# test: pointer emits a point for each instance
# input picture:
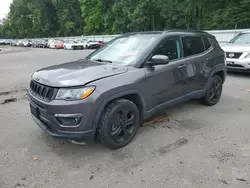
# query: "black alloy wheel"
(119, 124)
(214, 91)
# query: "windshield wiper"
(103, 60)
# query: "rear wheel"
(214, 91)
(119, 124)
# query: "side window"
(206, 43)
(192, 46)
(169, 47)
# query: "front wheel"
(119, 124)
(214, 91)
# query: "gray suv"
(112, 91)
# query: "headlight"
(248, 55)
(74, 93)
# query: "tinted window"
(206, 43)
(170, 48)
(192, 46)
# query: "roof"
(179, 31)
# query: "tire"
(118, 124)
(214, 91)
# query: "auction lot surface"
(193, 146)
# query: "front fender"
(117, 96)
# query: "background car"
(59, 44)
(20, 43)
(238, 53)
(51, 43)
(68, 44)
(39, 44)
(92, 45)
(27, 43)
(13, 43)
(101, 43)
(56, 44)
(2, 42)
(78, 45)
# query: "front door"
(164, 83)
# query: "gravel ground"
(192, 146)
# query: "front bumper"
(77, 47)
(238, 65)
(78, 136)
(46, 120)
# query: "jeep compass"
(109, 94)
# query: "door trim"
(193, 95)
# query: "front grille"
(41, 91)
(77, 47)
(234, 55)
(234, 65)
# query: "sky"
(4, 7)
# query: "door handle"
(181, 66)
(207, 59)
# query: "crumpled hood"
(230, 47)
(76, 73)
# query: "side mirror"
(158, 60)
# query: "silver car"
(238, 53)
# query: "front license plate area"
(34, 111)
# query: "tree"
(48, 18)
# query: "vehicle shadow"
(68, 149)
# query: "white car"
(238, 53)
(73, 45)
(19, 43)
(50, 41)
(92, 44)
(27, 43)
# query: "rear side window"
(192, 46)
(206, 43)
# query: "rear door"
(194, 53)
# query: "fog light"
(69, 120)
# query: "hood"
(76, 73)
(231, 47)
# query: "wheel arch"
(221, 74)
(132, 95)
(220, 71)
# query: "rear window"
(206, 43)
(192, 46)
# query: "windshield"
(123, 50)
(243, 38)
